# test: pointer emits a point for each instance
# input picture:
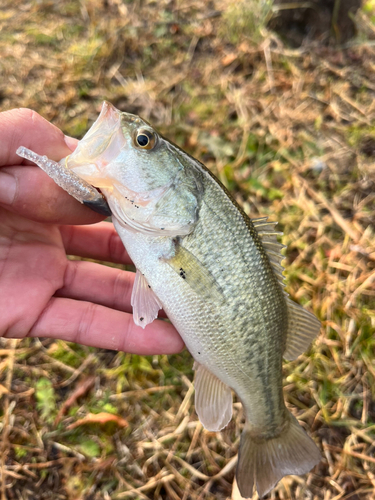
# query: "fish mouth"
(103, 142)
(100, 206)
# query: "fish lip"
(108, 109)
(100, 206)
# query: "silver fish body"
(217, 274)
(238, 334)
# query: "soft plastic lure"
(69, 181)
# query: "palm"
(45, 294)
(33, 263)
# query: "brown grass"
(291, 133)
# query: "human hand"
(42, 293)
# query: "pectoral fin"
(213, 399)
(145, 303)
(191, 270)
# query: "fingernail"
(71, 142)
(8, 188)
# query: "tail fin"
(264, 462)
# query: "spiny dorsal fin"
(268, 235)
(145, 303)
(213, 399)
(303, 327)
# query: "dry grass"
(291, 133)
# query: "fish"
(217, 274)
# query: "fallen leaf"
(228, 59)
(80, 391)
(99, 418)
(3, 390)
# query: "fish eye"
(145, 139)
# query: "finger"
(29, 192)
(100, 284)
(98, 241)
(98, 326)
(25, 127)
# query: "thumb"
(25, 127)
(27, 190)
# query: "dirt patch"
(323, 20)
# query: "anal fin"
(145, 303)
(213, 399)
(303, 327)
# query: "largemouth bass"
(218, 276)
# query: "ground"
(290, 131)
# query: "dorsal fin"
(302, 325)
(268, 235)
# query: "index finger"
(99, 326)
(25, 127)
(97, 241)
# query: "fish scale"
(224, 327)
(216, 273)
